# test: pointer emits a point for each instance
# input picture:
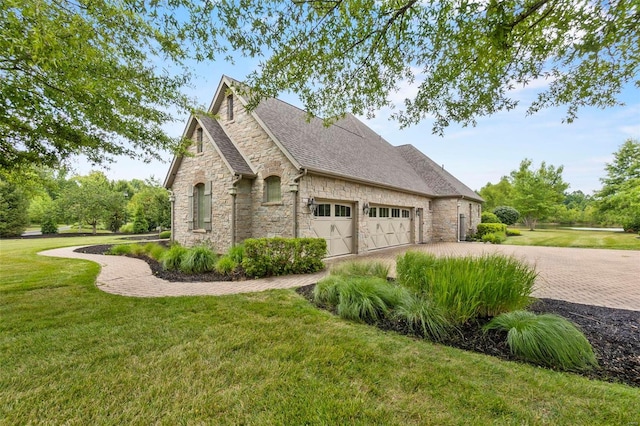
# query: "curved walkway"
(590, 276)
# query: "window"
(272, 189)
(323, 210)
(343, 211)
(384, 211)
(373, 212)
(395, 212)
(200, 207)
(470, 210)
(405, 213)
(230, 107)
(429, 204)
(199, 140)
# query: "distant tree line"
(541, 194)
(46, 197)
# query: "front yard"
(73, 354)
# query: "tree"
(91, 200)
(464, 57)
(78, 77)
(13, 209)
(507, 215)
(619, 198)
(537, 193)
(154, 201)
(495, 195)
(140, 224)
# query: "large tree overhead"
(78, 77)
(466, 57)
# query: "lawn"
(576, 238)
(72, 354)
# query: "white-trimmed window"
(405, 213)
(384, 211)
(322, 210)
(272, 191)
(395, 212)
(373, 212)
(342, 211)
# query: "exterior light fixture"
(293, 187)
(312, 205)
(365, 209)
(233, 190)
(418, 212)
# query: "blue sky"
(475, 155)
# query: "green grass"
(361, 269)
(71, 354)
(545, 339)
(576, 238)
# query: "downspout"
(233, 191)
(172, 200)
(294, 189)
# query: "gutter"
(296, 192)
(233, 191)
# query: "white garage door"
(334, 223)
(388, 226)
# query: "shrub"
(632, 225)
(488, 217)
(513, 232)
(367, 299)
(507, 215)
(491, 228)
(164, 234)
(49, 226)
(545, 339)
(140, 224)
(494, 238)
(236, 253)
(127, 228)
(265, 257)
(14, 205)
(173, 257)
(120, 250)
(198, 260)
(361, 269)
(468, 287)
(327, 291)
(424, 317)
(155, 251)
(226, 265)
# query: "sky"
(475, 155)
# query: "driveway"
(608, 278)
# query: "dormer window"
(230, 107)
(199, 140)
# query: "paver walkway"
(591, 276)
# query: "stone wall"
(201, 168)
(267, 219)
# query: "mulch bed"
(613, 333)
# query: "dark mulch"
(613, 333)
(172, 276)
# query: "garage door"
(334, 223)
(388, 226)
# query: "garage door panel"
(389, 231)
(337, 230)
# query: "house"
(272, 172)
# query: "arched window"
(272, 193)
(200, 207)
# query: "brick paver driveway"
(591, 276)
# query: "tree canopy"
(536, 193)
(466, 57)
(78, 77)
(619, 198)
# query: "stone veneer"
(257, 218)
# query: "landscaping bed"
(613, 333)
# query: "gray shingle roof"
(351, 149)
(346, 148)
(442, 182)
(235, 160)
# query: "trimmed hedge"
(491, 228)
(488, 217)
(264, 257)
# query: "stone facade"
(239, 206)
